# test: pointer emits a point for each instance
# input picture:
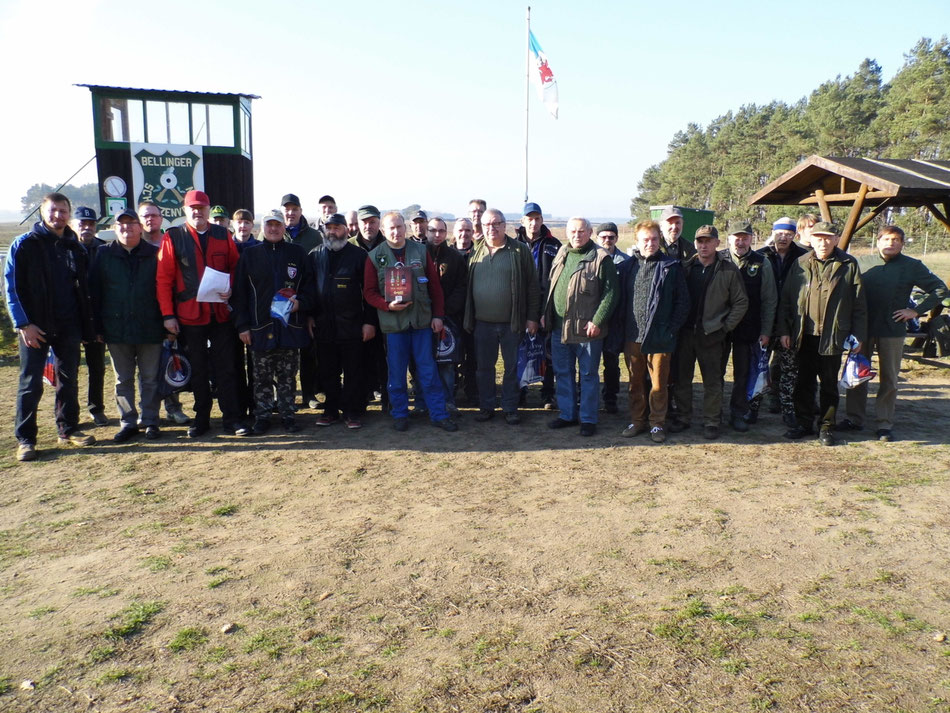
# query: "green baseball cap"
(825, 228)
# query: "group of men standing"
(355, 297)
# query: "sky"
(424, 102)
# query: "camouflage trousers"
(274, 369)
(784, 373)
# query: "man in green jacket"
(889, 276)
(718, 303)
(581, 298)
(822, 304)
(502, 303)
(129, 320)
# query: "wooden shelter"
(875, 183)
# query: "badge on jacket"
(753, 269)
(291, 271)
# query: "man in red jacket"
(186, 252)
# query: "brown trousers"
(638, 365)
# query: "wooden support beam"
(823, 205)
(938, 215)
(853, 216)
(873, 214)
(846, 197)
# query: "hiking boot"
(152, 433)
(633, 430)
(512, 418)
(588, 429)
(657, 434)
(260, 427)
(826, 437)
(26, 452)
(446, 424)
(678, 425)
(401, 424)
(884, 434)
(711, 432)
(484, 415)
(77, 438)
(125, 434)
(561, 423)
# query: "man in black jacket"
(341, 323)
(48, 299)
(271, 276)
(84, 223)
(544, 247)
(453, 277)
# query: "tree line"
(721, 166)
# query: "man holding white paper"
(201, 316)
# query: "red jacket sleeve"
(165, 277)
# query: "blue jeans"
(447, 377)
(489, 337)
(399, 346)
(587, 358)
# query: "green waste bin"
(693, 218)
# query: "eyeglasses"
(495, 224)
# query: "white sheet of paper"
(213, 283)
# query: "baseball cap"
(420, 215)
(84, 213)
(824, 228)
(219, 211)
(290, 198)
(194, 197)
(532, 208)
(127, 213)
(273, 215)
(707, 231)
(738, 227)
(327, 199)
(335, 219)
(367, 211)
(671, 211)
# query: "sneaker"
(657, 434)
(354, 424)
(484, 415)
(326, 420)
(237, 429)
(179, 417)
(77, 438)
(825, 437)
(401, 424)
(561, 423)
(100, 419)
(25, 452)
(633, 430)
(588, 429)
(152, 433)
(290, 425)
(260, 427)
(446, 424)
(711, 432)
(125, 434)
(678, 425)
(313, 403)
(848, 425)
(739, 424)
(512, 418)
(198, 429)
(884, 434)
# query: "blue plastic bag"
(531, 360)
(759, 378)
(174, 370)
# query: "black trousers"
(96, 366)
(812, 365)
(334, 359)
(210, 349)
(741, 364)
(611, 377)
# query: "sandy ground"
(502, 568)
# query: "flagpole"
(527, 93)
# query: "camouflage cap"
(825, 228)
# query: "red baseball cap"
(196, 198)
